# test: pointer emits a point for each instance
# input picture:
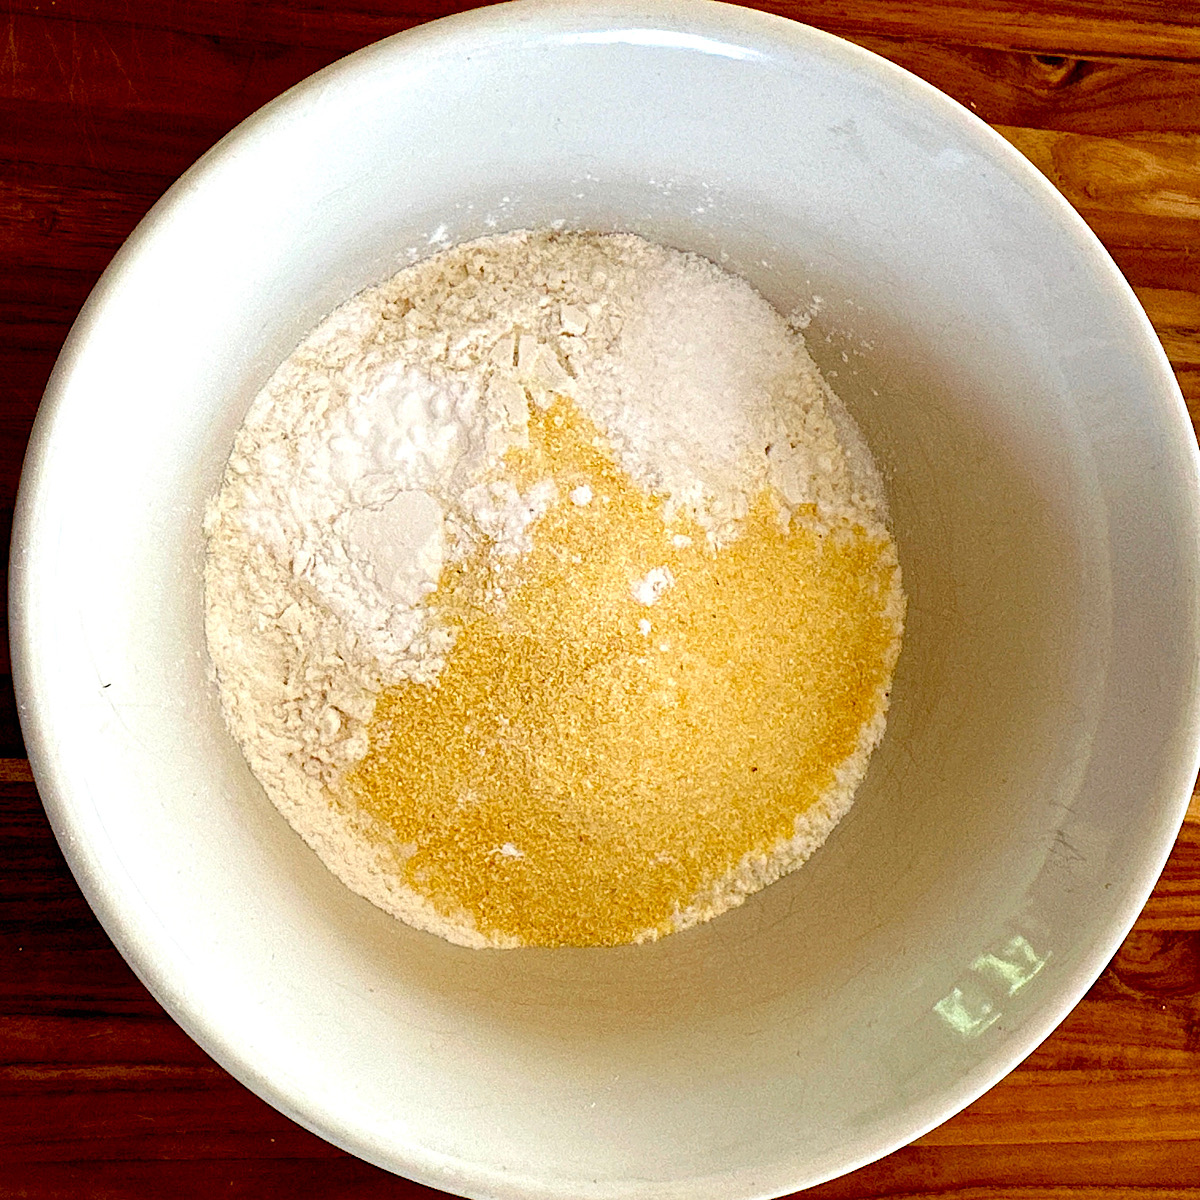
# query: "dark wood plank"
(1135, 28)
(1076, 1171)
(1146, 28)
(186, 59)
(287, 1176)
(1151, 251)
(1106, 97)
(103, 137)
(68, 218)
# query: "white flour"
(369, 461)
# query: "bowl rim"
(618, 20)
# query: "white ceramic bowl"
(1043, 736)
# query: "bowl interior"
(1042, 735)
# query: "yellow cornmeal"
(571, 779)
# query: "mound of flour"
(369, 462)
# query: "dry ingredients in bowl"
(550, 595)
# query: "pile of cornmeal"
(550, 593)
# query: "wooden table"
(102, 105)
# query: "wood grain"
(1105, 97)
(1134, 28)
(102, 105)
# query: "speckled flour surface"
(530, 502)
